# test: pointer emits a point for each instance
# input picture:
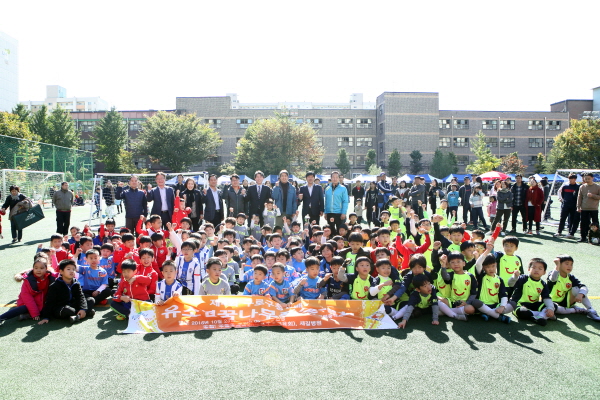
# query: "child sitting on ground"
(528, 290)
(280, 289)
(131, 287)
(422, 300)
(169, 286)
(257, 286)
(214, 284)
(308, 287)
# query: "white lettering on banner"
(171, 311)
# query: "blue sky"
(510, 55)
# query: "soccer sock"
(446, 310)
(488, 311)
(540, 314)
(564, 310)
(508, 309)
(459, 310)
(587, 303)
(400, 313)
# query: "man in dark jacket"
(312, 199)
(519, 191)
(136, 204)
(465, 193)
(567, 195)
(163, 199)
(257, 196)
(416, 194)
(235, 197)
(213, 202)
(358, 192)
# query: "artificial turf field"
(454, 360)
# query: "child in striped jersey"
(280, 289)
(214, 284)
(189, 271)
(169, 286)
(258, 286)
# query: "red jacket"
(119, 256)
(179, 214)
(33, 293)
(148, 232)
(160, 256)
(103, 233)
(535, 195)
(395, 258)
(150, 273)
(137, 290)
(406, 252)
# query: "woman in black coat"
(11, 201)
(435, 193)
(193, 200)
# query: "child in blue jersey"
(189, 270)
(359, 282)
(308, 287)
(566, 290)
(276, 243)
(169, 286)
(255, 227)
(336, 289)
(298, 260)
(280, 290)
(528, 290)
(283, 257)
(94, 279)
(258, 286)
(85, 244)
(106, 262)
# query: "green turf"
(474, 359)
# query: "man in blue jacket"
(163, 198)
(336, 203)
(135, 202)
(284, 195)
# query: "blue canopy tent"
(459, 177)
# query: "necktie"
(259, 191)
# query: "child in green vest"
(359, 282)
(464, 286)
(422, 300)
(566, 290)
(528, 290)
(492, 299)
(382, 284)
(507, 262)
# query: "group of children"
(414, 265)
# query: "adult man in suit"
(213, 202)
(257, 197)
(312, 199)
(163, 199)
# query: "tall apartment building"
(57, 96)
(9, 72)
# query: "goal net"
(39, 186)
(104, 204)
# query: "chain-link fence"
(76, 165)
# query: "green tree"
(438, 165)
(110, 134)
(227, 169)
(370, 159)
(177, 141)
(39, 124)
(577, 147)
(512, 164)
(485, 161)
(22, 112)
(394, 164)
(62, 130)
(127, 165)
(375, 170)
(342, 163)
(415, 162)
(540, 164)
(277, 143)
(452, 163)
(17, 154)
(316, 166)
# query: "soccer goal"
(39, 186)
(105, 205)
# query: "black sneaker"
(541, 321)
(90, 313)
(74, 318)
(23, 317)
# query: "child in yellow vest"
(531, 297)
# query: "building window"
(507, 142)
(344, 122)
(536, 142)
(553, 125)
(86, 126)
(364, 142)
(345, 141)
(213, 123)
(461, 142)
(444, 142)
(299, 121)
(461, 124)
(351, 160)
(491, 141)
(360, 160)
(212, 161)
(88, 145)
(536, 125)
(244, 123)
(135, 125)
(489, 124)
(380, 148)
(363, 123)
(444, 123)
(381, 129)
(508, 124)
(141, 162)
(381, 110)
(462, 160)
(532, 160)
(549, 143)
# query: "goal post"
(36, 185)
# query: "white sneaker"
(461, 317)
(502, 233)
(569, 236)
(592, 314)
(580, 310)
(558, 235)
(537, 232)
